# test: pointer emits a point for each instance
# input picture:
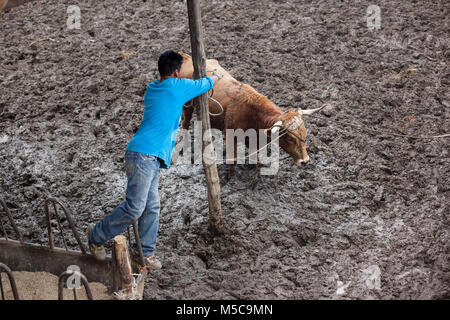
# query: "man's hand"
(216, 76)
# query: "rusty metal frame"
(36, 258)
(12, 282)
(54, 202)
(23, 256)
(11, 220)
(29, 257)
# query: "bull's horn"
(276, 127)
(311, 111)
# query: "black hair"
(168, 62)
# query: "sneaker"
(152, 262)
(99, 252)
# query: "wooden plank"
(210, 167)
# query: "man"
(150, 149)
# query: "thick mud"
(367, 218)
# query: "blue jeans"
(142, 204)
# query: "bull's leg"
(231, 171)
(230, 144)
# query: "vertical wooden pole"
(199, 61)
(124, 264)
(128, 287)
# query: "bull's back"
(228, 91)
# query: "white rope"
(134, 295)
(386, 133)
(220, 105)
(210, 113)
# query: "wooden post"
(124, 265)
(199, 61)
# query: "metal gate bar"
(11, 220)
(67, 274)
(56, 201)
(12, 282)
(21, 256)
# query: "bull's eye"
(289, 138)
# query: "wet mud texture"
(367, 218)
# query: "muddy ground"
(367, 218)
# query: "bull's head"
(292, 132)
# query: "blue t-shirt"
(163, 107)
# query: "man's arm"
(194, 88)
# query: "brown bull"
(245, 108)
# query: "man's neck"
(166, 77)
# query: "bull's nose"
(299, 162)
